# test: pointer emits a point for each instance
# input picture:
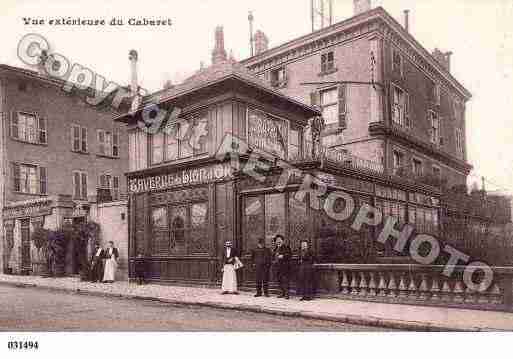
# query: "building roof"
(376, 13)
(213, 75)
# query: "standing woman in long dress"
(229, 284)
(111, 263)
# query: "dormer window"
(279, 77)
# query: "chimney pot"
(261, 42)
(407, 20)
(134, 86)
(219, 53)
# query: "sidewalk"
(397, 316)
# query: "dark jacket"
(231, 258)
(282, 263)
(115, 253)
(306, 258)
(261, 257)
(95, 258)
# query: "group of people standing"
(263, 259)
(104, 263)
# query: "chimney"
(261, 42)
(407, 20)
(361, 6)
(444, 58)
(134, 86)
(219, 53)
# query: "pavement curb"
(342, 318)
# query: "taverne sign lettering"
(184, 177)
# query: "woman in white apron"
(229, 284)
(111, 263)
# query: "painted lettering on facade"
(267, 133)
(182, 178)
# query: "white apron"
(111, 265)
(229, 283)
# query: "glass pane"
(330, 114)
(159, 218)
(157, 147)
(253, 221)
(160, 230)
(178, 226)
(198, 214)
(329, 96)
(274, 216)
(171, 143)
(199, 238)
(298, 228)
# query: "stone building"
(383, 95)
(57, 154)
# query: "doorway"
(26, 263)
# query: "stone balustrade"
(418, 284)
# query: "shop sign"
(28, 211)
(267, 133)
(185, 177)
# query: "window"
(27, 127)
(436, 94)
(397, 62)
(417, 167)
(29, 179)
(79, 185)
(157, 147)
(111, 183)
(279, 77)
(180, 229)
(435, 127)
(115, 144)
(398, 163)
(459, 142)
(437, 173)
(79, 138)
(327, 62)
(329, 105)
(400, 107)
(294, 144)
(106, 146)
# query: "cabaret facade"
(187, 197)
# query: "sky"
(478, 32)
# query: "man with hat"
(261, 258)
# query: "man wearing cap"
(282, 255)
(229, 283)
(261, 258)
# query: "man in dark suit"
(97, 264)
(282, 255)
(306, 271)
(261, 258)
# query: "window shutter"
(342, 105)
(407, 117)
(84, 185)
(42, 130)
(285, 76)
(75, 138)
(83, 139)
(42, 180)
(14, 124)
(101, 142)
(115, 144)
(16, 176)
(315, 98)
(76, 185)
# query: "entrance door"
(267, 215)
(80, 248)
(26, 265)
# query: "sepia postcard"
(227, 166)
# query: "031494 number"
(22, 345)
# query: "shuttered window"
(29, 128)
(79, 185)
(29, 179)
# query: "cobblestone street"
(28, 309)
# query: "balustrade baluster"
(392, 286)
(373, 285)
(354, 283)
(446, 292)
(345, 283)
(435, 290)
(363, 284)
(403, 289)
(423, 288)
(458, 292)
(412, 288)
(382, 286)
